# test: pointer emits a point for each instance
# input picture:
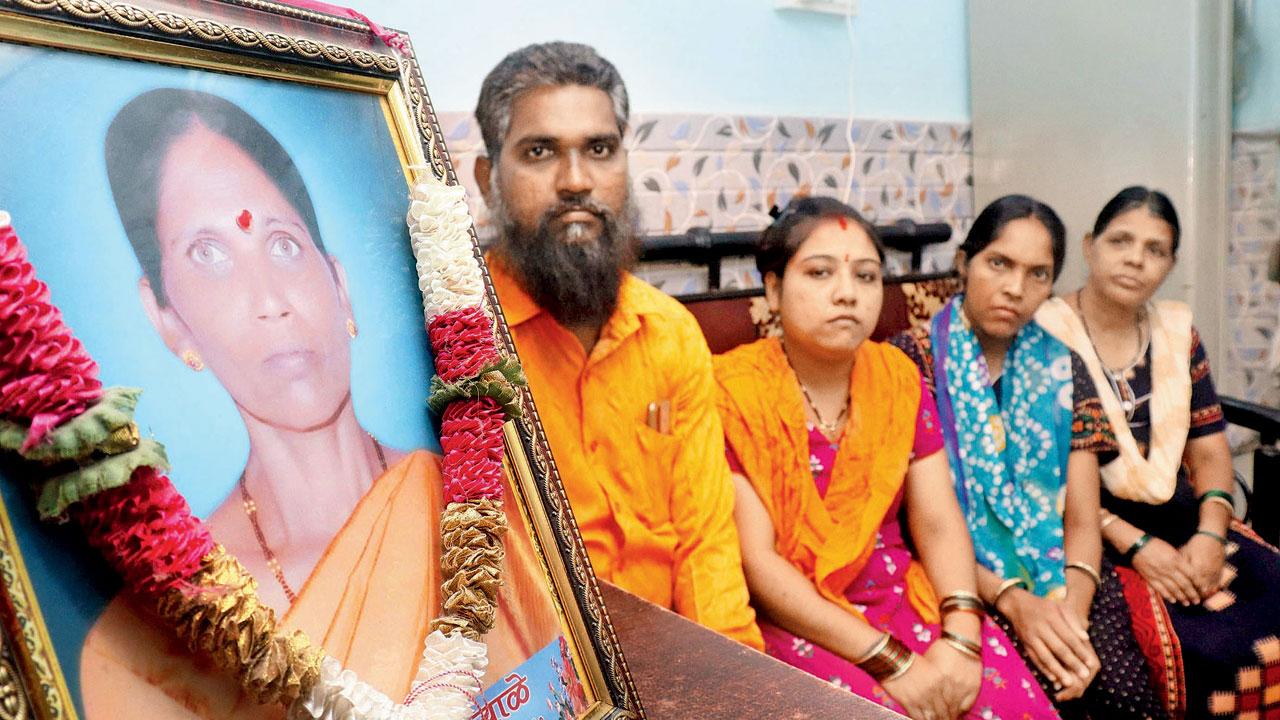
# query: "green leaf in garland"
(94, 430)
(113, 471)
(501, 381)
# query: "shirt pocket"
(650, 476)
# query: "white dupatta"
(1131, 476)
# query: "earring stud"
(352, 330)
(193, 360)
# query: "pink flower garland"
(145, 528)
(471, 437)
(463, 343)
(146, 531)
(46, 377)
(470, 430)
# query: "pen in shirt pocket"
(659, 416)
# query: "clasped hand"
(942, 684)
(1184, 576)
(1056, 640)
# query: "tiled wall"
(726, 171)
(1253, 301)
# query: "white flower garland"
(447, 685)
(439, 226)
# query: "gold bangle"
(890, 659)
(1087, 569)
(1231, 508)
(962, 601)
(1005, 587)
(963, 644)
(901, 670)
(876, 648)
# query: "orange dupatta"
(829, 539)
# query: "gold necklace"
(828, 428)
(251, 510)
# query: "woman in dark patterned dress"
(1026, 434)
(1167, 503)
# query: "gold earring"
(351, 328)
(193, 360)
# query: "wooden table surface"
(685, 671)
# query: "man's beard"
(573, 278)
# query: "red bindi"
(244, 220)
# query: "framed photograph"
(215, 194)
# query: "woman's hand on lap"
(922, 691)
(1204, 557)
(1055, 639)
(962, 672)
(1168, 571)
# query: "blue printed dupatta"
(1009, 462)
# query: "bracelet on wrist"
(1209, 533)
(1107, 519)
(1136, 546)
(1005, 587)
(963, 644)
(961, 601)
(903, 667)
(1220, 494)
(876, 648)
(1217, 500)
(1087, 569)
(887, 659)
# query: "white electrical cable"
(848, 130)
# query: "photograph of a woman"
(336, 522)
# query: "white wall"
(1259, 38)
(1073, 101)
(730, 56)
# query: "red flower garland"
(145, 529)
(463, 343)
(46, 377)
(471, 437)
(470, 430)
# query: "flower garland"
(97, 471)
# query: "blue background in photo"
(53, 182)
(546, 690)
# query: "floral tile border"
(725, 172)
(1252, 300)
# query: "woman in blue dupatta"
(1024, 429)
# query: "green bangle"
(1136, 546)
(1218, 494)
(1212, 534)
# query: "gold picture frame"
(262, 40)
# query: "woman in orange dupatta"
(831, 436)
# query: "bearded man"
(620, 371)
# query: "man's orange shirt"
(655, 509)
